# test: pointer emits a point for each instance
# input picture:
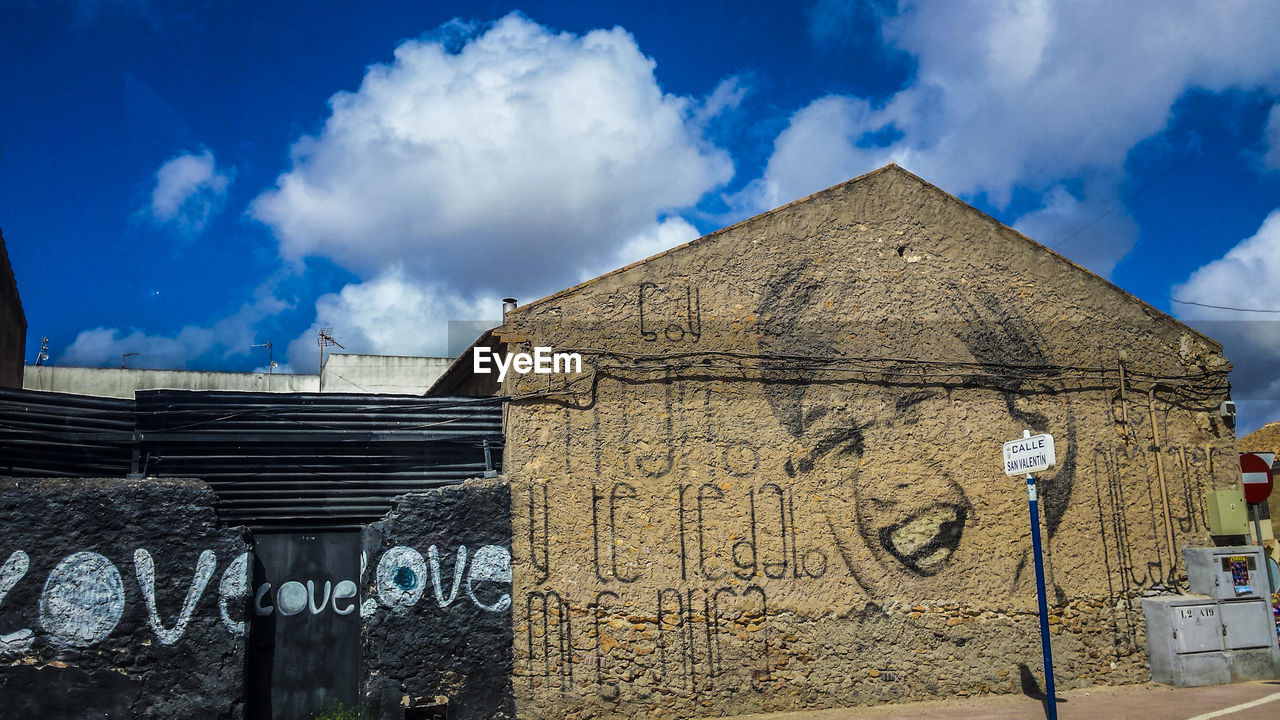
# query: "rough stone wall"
(777, 482)
(437, 621)
(119, 599)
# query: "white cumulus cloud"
(1245, 277)
(1271, 158)
(663, 236)
(189, 190)
(107, 346)
(505, 165)
(1090, 227)
(391, 314)
(233, 335)
(1026, 94)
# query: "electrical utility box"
(1225, 512)
(1222, 633)
(1227, 573)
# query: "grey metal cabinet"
(1196, 627)
(1247, 624)
(1223, 633)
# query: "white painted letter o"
(82, 601)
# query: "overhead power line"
(1223, 307)
(1124, 200)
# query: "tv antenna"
(271, 364)
(43, 355)
(324, 338)
(124, 359)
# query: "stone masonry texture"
(119, 599)
(777, 482)
(439, 620)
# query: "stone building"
(1266, 439)
(13, 324)
(776, 482)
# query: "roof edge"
(1148, 308)
(458, 370)
(1125, 294)
(705, 238)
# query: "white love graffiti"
(83, 598)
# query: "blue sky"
(185, 179)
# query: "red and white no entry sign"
(1255, 472)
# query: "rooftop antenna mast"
(271, 364)
(324, 338)
(44, 351)
(124, 359)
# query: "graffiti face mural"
(908, 504)
(885, 449)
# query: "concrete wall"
(375, 374)
(124, 382)
(119, 599)
(13, 324)
(781, 486)
(388, 374)
(438, 619)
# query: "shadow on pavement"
(1031, 688)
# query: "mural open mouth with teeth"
(925, 541)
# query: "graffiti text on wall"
(83, 598)
(402, 573)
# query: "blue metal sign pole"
(1046, 648)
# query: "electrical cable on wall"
(1206, 386)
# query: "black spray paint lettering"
(608, 691)
(540, 552)
(619, 492)
(677, 318)
(765, 548)
(561, 662)
(692, 628)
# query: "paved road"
(1254, 700)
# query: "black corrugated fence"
(49, 434)
(276, 461)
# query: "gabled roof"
(459, 372)
(893, 169)
(1264, 439)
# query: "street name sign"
(1028, 455)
